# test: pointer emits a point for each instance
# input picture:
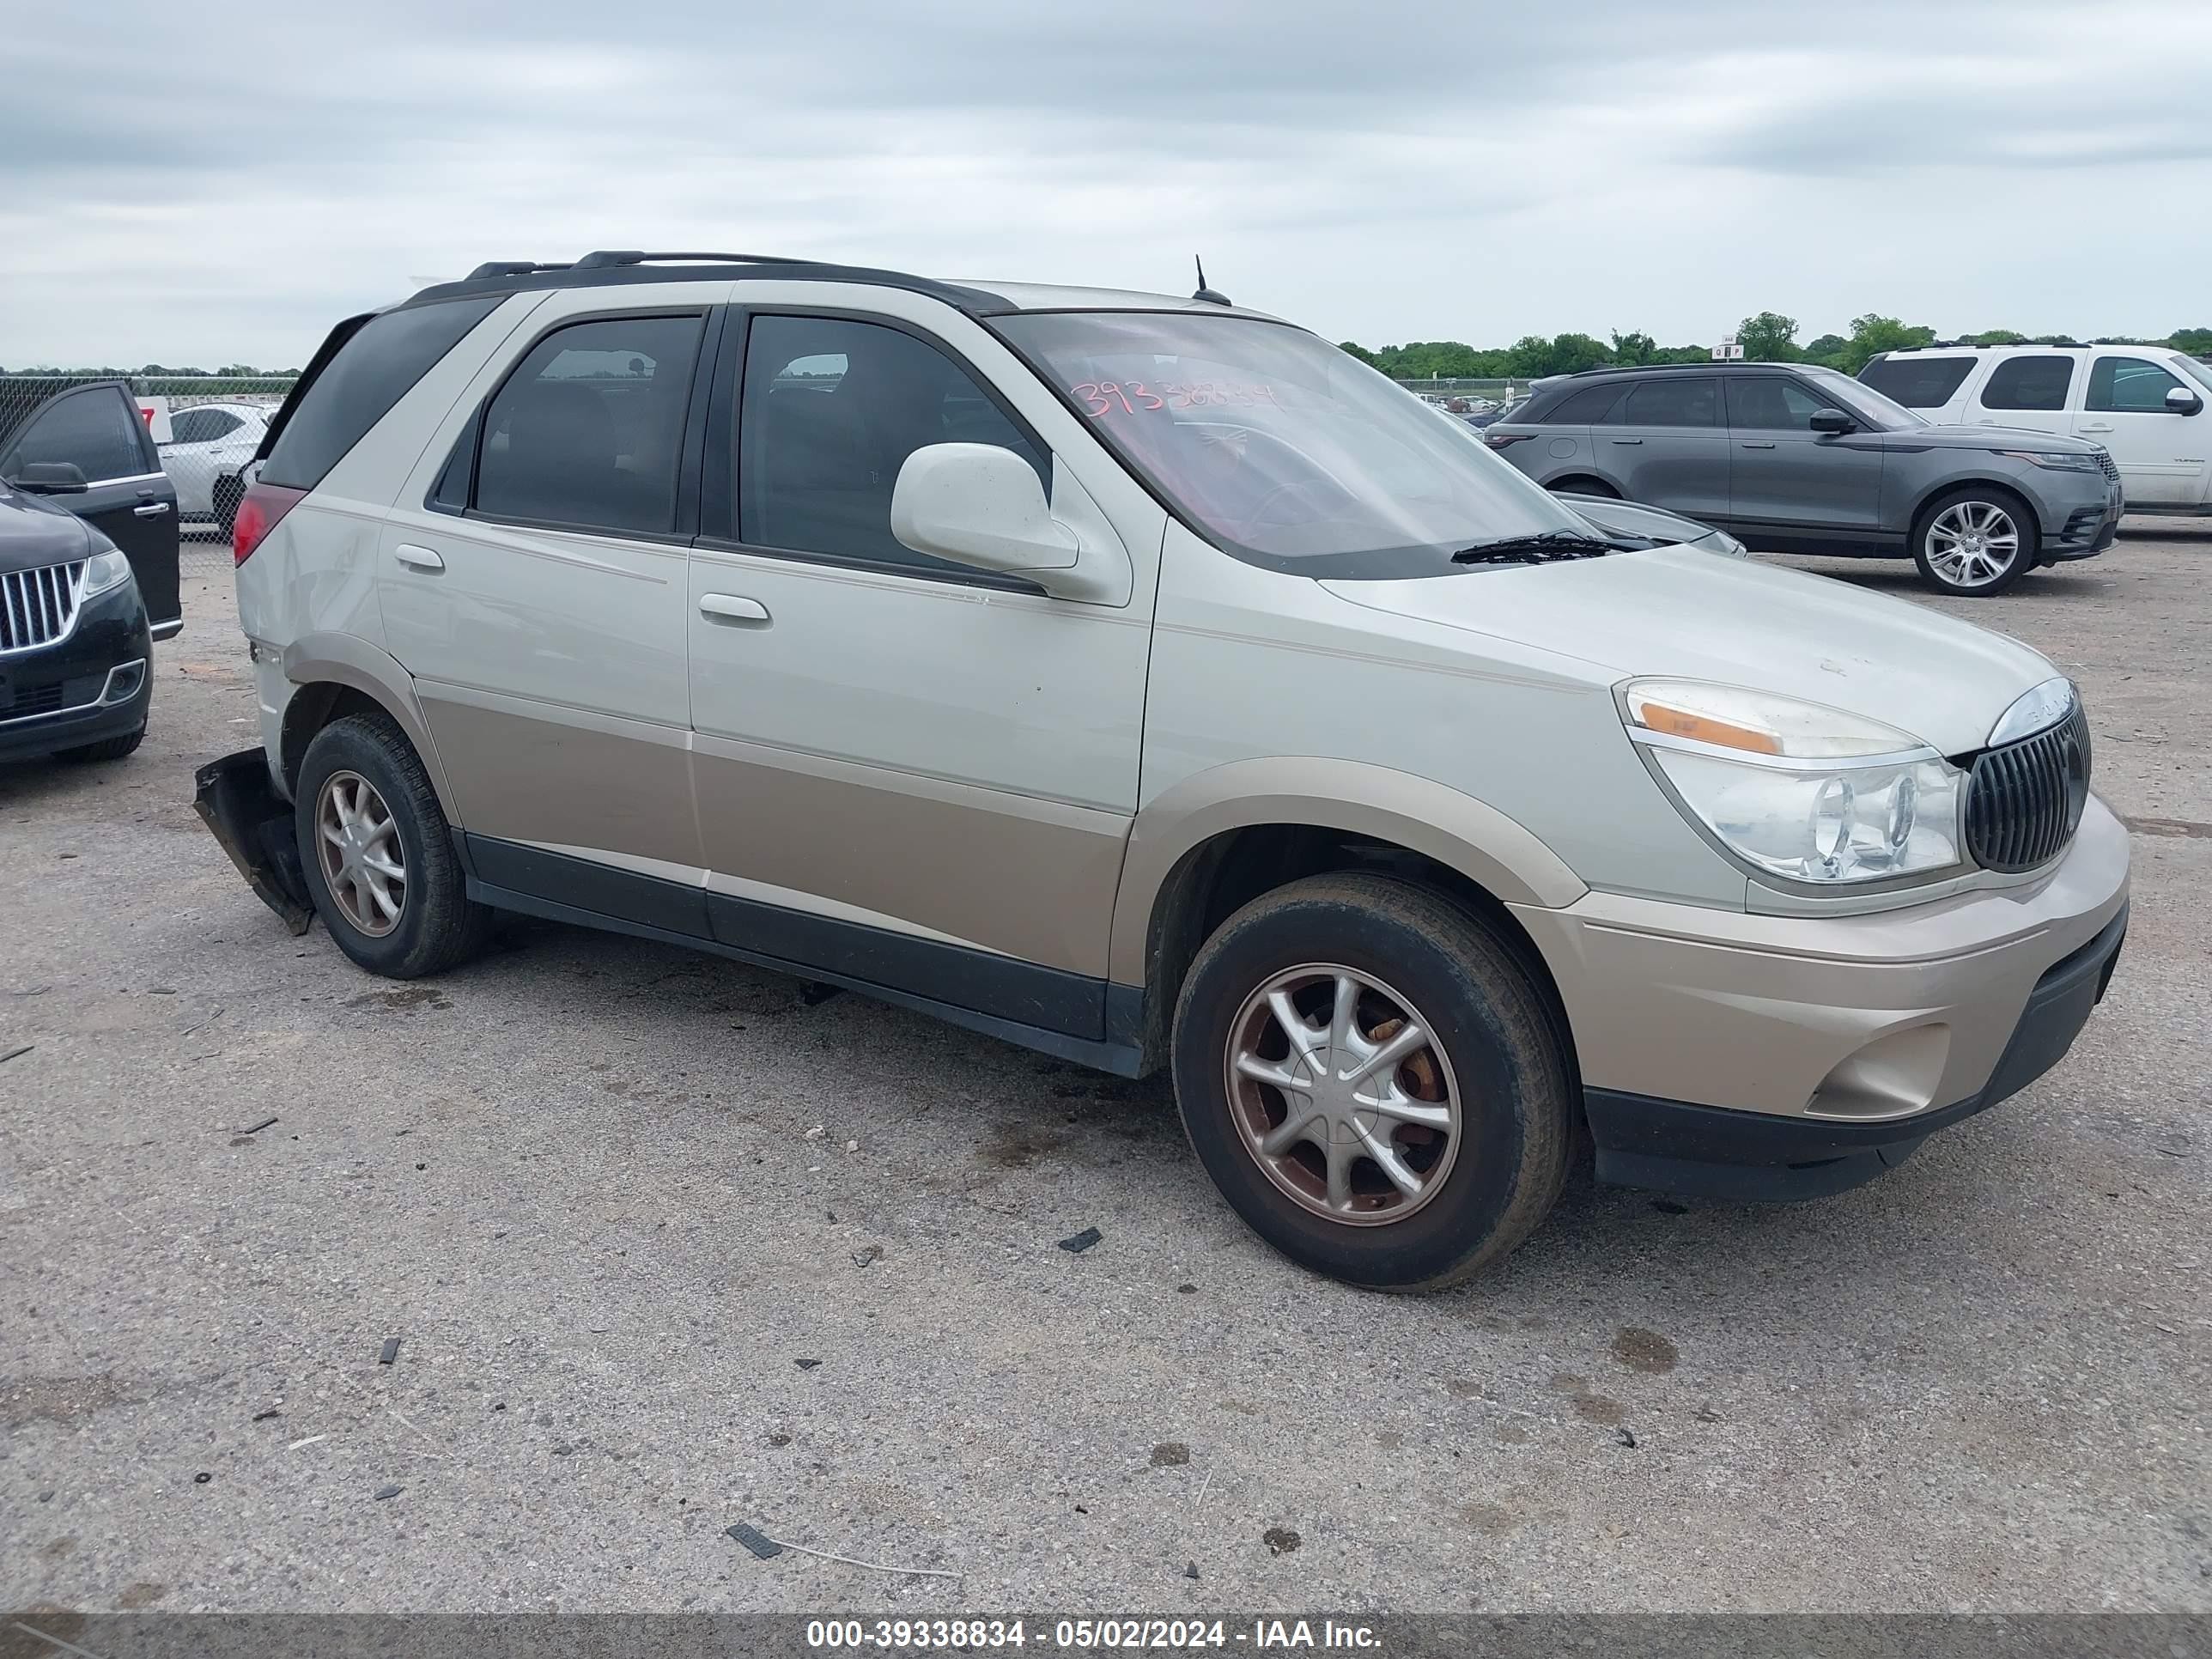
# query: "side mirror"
(1831, 422)
(2182, 401)
(50, 478)
(981, 505)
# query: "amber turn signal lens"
(1704, 728)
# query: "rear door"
(2030, 391)
(1666, 444)
(97, 429)
(1783, 473)
(2161, 452)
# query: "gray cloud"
(1387, 172)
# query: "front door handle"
(1628, 440)
(2096, 426)
(151, 510)
(417, 558)
(1759, 445)
(733, 608)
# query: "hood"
(1676, 611)
(34, 532)
(1981, 437)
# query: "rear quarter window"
(358, 386)
(1918, 382)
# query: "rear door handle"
(733, 608)
(1759, 445)
(151, 510)
(417, 558)
(1628, 440)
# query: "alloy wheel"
(364, 863)
(1342, 1095)
(1972, 543)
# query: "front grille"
(2024, 800)
(31, 700)
(38, 607)
(2106, 466)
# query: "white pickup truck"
(2144, 403)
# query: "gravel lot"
(575, 1181)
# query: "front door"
(2161, 452)
(97, 429)
(1782, 473)
(912, 772)
(1666, 444)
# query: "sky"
(1383, 172)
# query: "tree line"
(156, 371)
(1768, 338)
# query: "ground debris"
(867, 1254)
(758, 1542)
(1082, 1241)
(390, 1350)
(16, 1053)
(265, 1124)
(1280, 1540)
(813, 993)
(383, 1492)
(1625, 1438)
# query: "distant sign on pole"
(1728, 350)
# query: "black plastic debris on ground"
(1625, 1438)
(390, 1350)
(758, 1542)
(266, 1122)
(1191, 1571)
(8, 1055)
(814, 993)
(806, 1365)
(1082, 1242)
(383, 1492)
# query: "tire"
(107, 748)
(1957, 565)
(224, 499)
(1493, 1058)
(429, 922)
(1585, 487)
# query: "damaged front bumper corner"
(244, 812)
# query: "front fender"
(1477, 839)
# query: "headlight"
(103, 571)
(2054, 460)
(1798, 790)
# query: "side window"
(588, 428)
(96, 430)
(2128, 385)
(1591, 406)
(1672, 400)
(1917, 382)
(830, 410)
(2029, 383)
(1772, 403)
(192, 426)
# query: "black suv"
(75, 653)
(1797, 458)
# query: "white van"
(2142, 402)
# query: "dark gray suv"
(1795, 459)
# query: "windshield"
(1877, 409)
(1281, 449)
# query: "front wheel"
(107, 748)
(1372, 1081)
(1974, 543)
(379, 854)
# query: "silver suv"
(1145, 681)
(1797, 458)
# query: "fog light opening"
(1893, 1076)
(125, 681)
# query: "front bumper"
(63, 695)
(1744, 1056)
(2087, 530)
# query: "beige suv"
(1145, 681)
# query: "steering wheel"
(1322, 486)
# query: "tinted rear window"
(2029, 383)
(1917, 382)
(372, 371)
(1589, 406)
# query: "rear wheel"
(1371, 1080)
(1974, 542)
(379, 854)
(228, 491)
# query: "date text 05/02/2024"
(1106, 1635)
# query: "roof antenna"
(1204, 292)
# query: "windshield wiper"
(1545, 547)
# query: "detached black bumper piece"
(1711, 1151)
(253, 823)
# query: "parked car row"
(1795, 458)
(1147, 681)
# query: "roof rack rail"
(606, 256)
(508, 268)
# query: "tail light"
(1497, 439)
(264, 504)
